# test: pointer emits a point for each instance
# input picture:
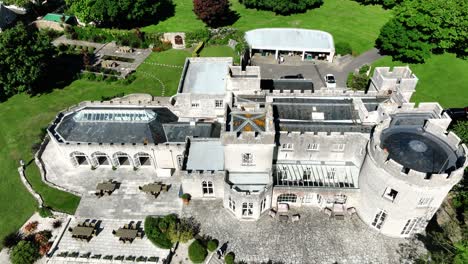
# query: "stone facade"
(305, 148)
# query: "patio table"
(83, 231)
(152, 188)
(125, 233)
(106, 186)
(283, 218)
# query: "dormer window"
(313, 146)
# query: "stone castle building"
(227, 138)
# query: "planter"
(186, 201)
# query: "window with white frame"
(247, 159)
(390, 194)
(263, 205)
(308, 198)
(338, 147)
(207, 188)
(313, 146)
(331, 173)
(307, 174)
(410, 226)
(247, 209)
(219, 103)
(287, 146)
(424, 201)
(180, 161)
(379, 219)
(232, 204)
(287, 198)
(195, 104)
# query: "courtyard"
(315, 238)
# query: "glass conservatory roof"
(115, 115)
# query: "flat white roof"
(290, 39)
(205, 75)
(206, 155)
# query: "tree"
(25, 55)
(212, 12)
(24, 253)
(420, 27)
(122, 13)
(12, 239)
(384, 3)
(283, 7)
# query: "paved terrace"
(127, 202)
(314, 239)
(105, 243)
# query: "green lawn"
(219, 51)
(23, 117)
(443, 79)
(346, 20)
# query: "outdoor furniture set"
(338, 211)
(85, 231)
(154, 188)
(284, 208)
(105, 188)
(128, 233)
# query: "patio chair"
(272, 213)
(164, 188)
(327, 211)
(296, 218)
(283, 208)
(351, 211)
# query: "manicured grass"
(346, 20)
(443, 79)
(219, 51)
(23, 117)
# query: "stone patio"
(313, 239)
(105, 243)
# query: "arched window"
(100, 158)
(78, 158)
(287, 198)
(142, 159)
(121, 159)
(178, 40)
(207, 188)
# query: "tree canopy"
(25, 55)
(122, 13)
(420, 27)
(24, 252)
(213, 12)
(283, 7)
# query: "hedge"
(198, 49)
(155, 234)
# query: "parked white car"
(330, 81)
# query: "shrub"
(31, 227)
(185, 196)
(212, 245)
(357, 81)
(57, 224)
(100, 78)
(24, 252)
(196, 36)
(182, 231)
(44, 212)
(197, 252)
(229, 258)
(364, 69)
(43, 249)
(154, 232)
(12, 239)
(283, 7)
(343, 48)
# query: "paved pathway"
(316, 71)
(314, 239)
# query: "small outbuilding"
(310, 44)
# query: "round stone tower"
(411, 165)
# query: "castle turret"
(411, 165)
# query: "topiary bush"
(212, 245)
(229, 258)
(197, 252)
